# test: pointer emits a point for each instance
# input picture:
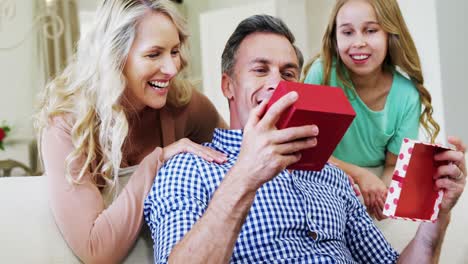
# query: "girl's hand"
(353, 184)
(186, 145)
(374, 193)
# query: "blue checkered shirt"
(298, 217)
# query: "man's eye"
(289, 75)
(260, 70)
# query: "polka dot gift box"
(411, 195)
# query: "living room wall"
(19, 77)
(453, 39)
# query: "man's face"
(262, 60)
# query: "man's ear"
(227, 86)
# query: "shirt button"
(313, 235)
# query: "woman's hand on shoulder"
(186, 145)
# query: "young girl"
(368, 51)
(109, 121)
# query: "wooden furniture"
(7, 166)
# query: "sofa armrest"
(28, 230)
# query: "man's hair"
(250, 25)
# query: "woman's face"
(153, 60)
(362, 43)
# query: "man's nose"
(273, 81)
(169, 66)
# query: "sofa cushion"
(28, 230)
(28, 233)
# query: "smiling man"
(251, 209)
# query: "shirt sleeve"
(175, 203)
(95, 234)
(408, 126)
(315, 73)
(364, 240)
(203, 118)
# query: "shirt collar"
(229, 140)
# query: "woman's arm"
(97, 234)
(389, 167)
(94, 233)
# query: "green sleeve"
(409, 127)
(315, 73)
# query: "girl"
(116, 113)
(368, 51)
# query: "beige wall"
(318, 12)
(421, 18)
(18, 77)
(453, 42)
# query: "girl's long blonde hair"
(90, 89)
(401, 53)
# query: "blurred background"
(38, 37)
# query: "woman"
(119, 109)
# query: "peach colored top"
(98, 233)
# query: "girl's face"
(153, 60)
(362, 43)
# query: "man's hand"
(451, 177)
(265, 150)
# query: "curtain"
(57, 30)
(58, 33)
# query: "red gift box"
(324, 106)
(412, 194)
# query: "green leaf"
(1, 146)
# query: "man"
(251, 209)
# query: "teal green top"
(373, 133)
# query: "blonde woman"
(115, 114)
(364, 44)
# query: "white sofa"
(28, 233)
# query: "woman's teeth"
(159, 85)
(360, 57)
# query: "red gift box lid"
(325, 106)
(418, 193)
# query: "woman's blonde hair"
(401, 53)
(91, 88)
